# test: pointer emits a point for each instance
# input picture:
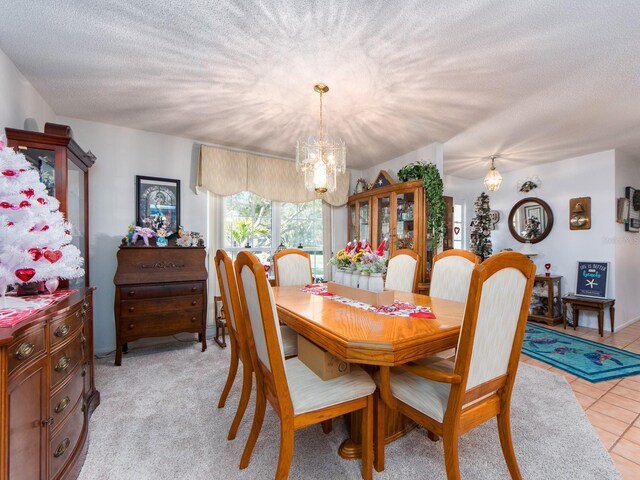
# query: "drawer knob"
(62, 448)
(193, 319)
(131, 325)
(62, 330)
(193, 289)
(195, 302)
(85, 305)
(64, 403)
(47, 422)
(132, 293)
(131, 309)
(25, 350)
(62, 364)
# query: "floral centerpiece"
(360, 259)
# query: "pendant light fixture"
(493, 179)
(321, 158)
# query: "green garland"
(433, 189)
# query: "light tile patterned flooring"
(613, 407)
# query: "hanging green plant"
(636, 200)
(433, 190)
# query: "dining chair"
(238, 339)
(292, 266)
(451, 274)
(451, 398)
(402, 271)
(298, 396)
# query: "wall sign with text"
(592, 279)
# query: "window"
(259, 225)
(458, 233)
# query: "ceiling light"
(322, 158)
(493, 179)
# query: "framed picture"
(592, 279)
(157, 198)
(536, 212)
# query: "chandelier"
(321, 158)
(493, 179)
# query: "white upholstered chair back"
(225, 289)
(401, 272)
(256, 320)
(497, 320)
(450, 278)
(292, 267)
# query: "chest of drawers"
(159, 291)
(47, 391)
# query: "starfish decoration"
(591, 283)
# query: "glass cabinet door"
(404, 234)
(383, 230)
(44, 161)
(351, 234)
(76, 214)
(363, 220)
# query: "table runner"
(12, 316)
(396, 309)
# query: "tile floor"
(612, 406)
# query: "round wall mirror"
(530, 220)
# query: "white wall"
(627, 246)
(20, 105)
(585, 176)
(123, 153)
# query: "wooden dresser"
(47, 391)
(159, 291)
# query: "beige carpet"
(158, 420)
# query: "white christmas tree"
(34, 237)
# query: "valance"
(226, 172)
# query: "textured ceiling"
(534, 81)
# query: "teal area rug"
(589, 360)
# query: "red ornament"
(5, 205)
(53, 255)
(8, 173)
(28, 192)
(10, 224)
(44, 228)
(456, 230)
(36, 254)
(25, 274)
(24, 204)
(67, 232)
(42, 201)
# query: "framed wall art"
(592, 279)
(158, 199)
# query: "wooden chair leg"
(327, 426)
(247, 376)
(258, 418)
(432, 436)
(233, 369)
(286, 451)
(451, 462)
(367, 439)
(379, 432)
(504, 431)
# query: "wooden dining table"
(368, 338)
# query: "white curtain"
(225, 172)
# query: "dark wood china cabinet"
(64, 169)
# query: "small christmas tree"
(34, 237)
(481, 228)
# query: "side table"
(591, 304)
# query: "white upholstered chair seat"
(424, 395)
(289, 341)
(309, 392)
